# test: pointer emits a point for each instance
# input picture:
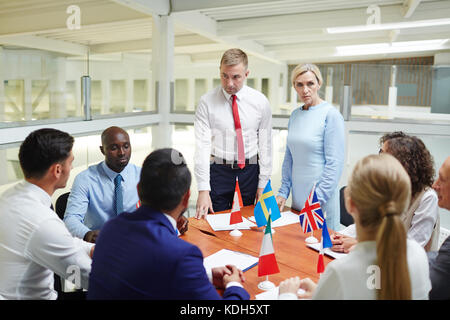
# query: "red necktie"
(240, 140)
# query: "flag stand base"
(266, 285)
(235, 233)
(311, 239)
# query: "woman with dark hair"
(421, 219)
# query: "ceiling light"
(395, 47)
(390, 26)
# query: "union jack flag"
(311, 216)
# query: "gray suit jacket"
(440, 272)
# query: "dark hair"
(165, 179)
(391, 135)
(415, 158)
(43, 148)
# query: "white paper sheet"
(287, 217)
(273, 294)
(224, 257)
(327, 251)
(221, 221)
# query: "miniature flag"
(236, 216)
(320, 264)
(326, 236)
(267, 262)
(324, 243)
(265, 203)
(311, 216)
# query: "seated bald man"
(104, 190)
(440, 261)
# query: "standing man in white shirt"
(34, 242)
(233, 133)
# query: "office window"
(118, 96)
(181, 95)
(140, 95)
(14, 100)
(200, 89)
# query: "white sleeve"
(202, 146)
(424, 219)
(329, 286)
(52, 246)
(265, 145)
(349, 231)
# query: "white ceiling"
(282, 31)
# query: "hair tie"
(388, 209)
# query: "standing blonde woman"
(384, 264)
(315, 147)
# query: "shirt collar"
(238, 94)
(172, 221)
(112, 174)
(42, 195)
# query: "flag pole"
(272, 230)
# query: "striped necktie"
(118, 197)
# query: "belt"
(233, 164)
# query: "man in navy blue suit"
(138, 255)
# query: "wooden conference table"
(293, 256)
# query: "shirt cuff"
(209, 274)
(203, 186)
(287, 296)
(233, 284)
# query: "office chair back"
(346, 218)
(61, 204)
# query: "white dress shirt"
(215, 132)
(422, 223)
(352, 277)
(35, 243)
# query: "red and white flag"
(236, 216)
(267, 262)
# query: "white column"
(329, 87)
(162, 77)
(106, 95)
(191, 94)
(392, 100)
(3, 167)
(2, 86)
(27, 104)
(129, 85)
(58, 107)
(78, 106)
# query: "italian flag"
(236, 216)
(267, 261)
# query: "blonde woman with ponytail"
(383, 265)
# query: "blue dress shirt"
(315, 153)
(91, 200)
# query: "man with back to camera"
(233, 132)
(34, 242)
(104, 190)
(139, 256)
(439, 262)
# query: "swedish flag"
(266, 203)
